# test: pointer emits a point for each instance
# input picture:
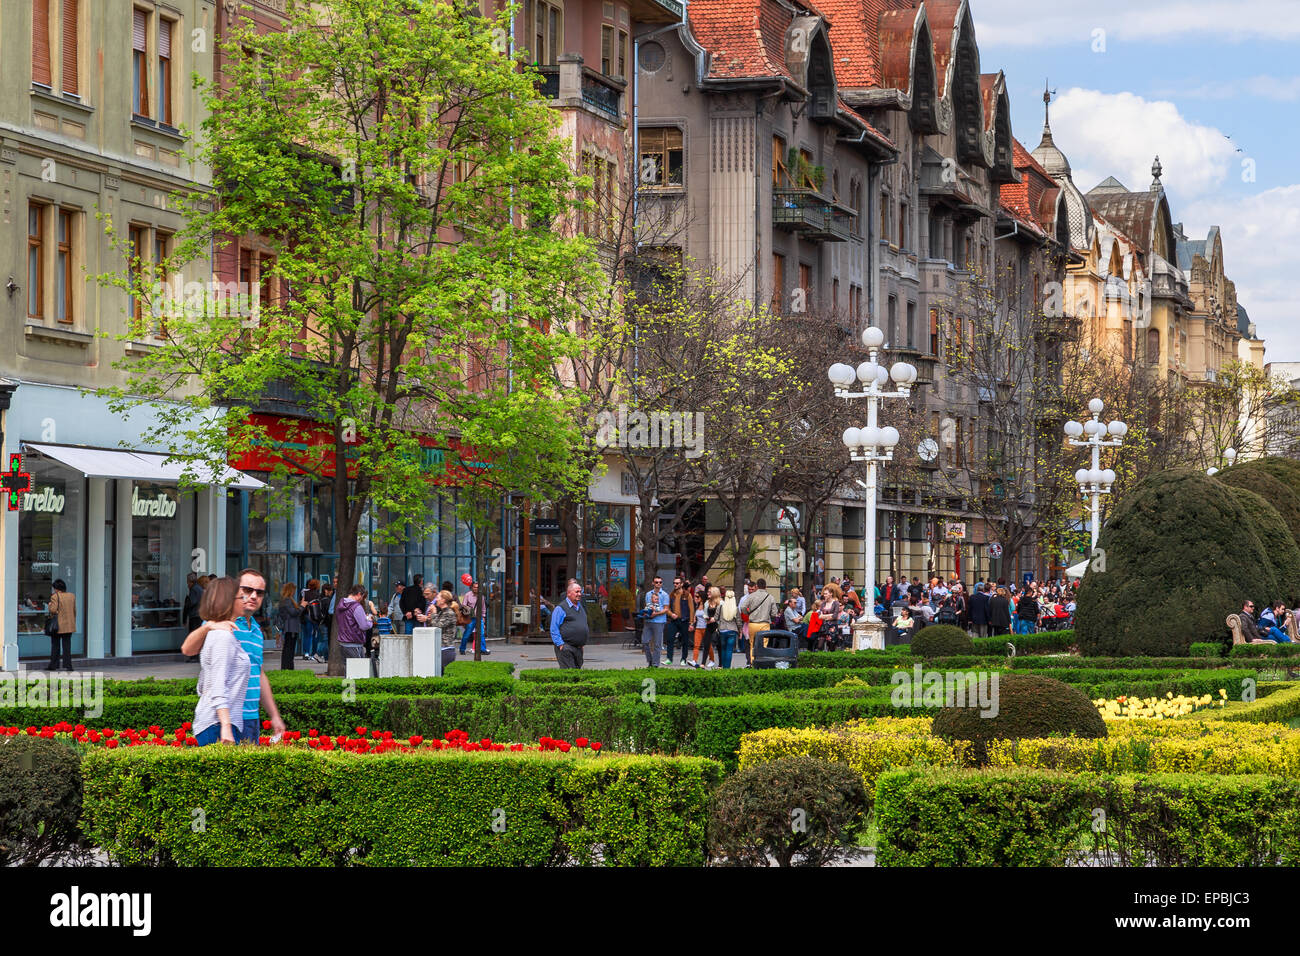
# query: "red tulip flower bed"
(364, 742)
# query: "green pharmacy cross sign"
(15, 481)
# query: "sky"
(1211, 86)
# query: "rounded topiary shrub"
(40, 801)
(1180, 555)
(1261, 477)
(794, 811)
(1027, 706)
(942, 640)
(1279, 546)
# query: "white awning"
(136, 465)
(1077, 570)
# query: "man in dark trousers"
(681, 617)
(569, 627)
(412, 600)
(979, 610)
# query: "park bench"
(1234, 624)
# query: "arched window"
(1153, 346)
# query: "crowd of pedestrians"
(704, 626)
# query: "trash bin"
(775, 649)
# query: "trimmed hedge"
(273, 807)
(40, 800)
(466, 675)
(1265, 650)
(1181, 554)
(1039, 818)
(1277, 706)
(1044, 642)
(941, 640)
(1028, 705)
(872, 747)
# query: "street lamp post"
(1229, 456)
(871, 444)
(1096, 481)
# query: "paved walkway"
(523, 656)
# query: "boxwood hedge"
(1042, 818)
(241, 806)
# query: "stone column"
(122, 564)
(570, 76)
(92, 609)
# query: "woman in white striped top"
(223, 667)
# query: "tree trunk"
(649, 533)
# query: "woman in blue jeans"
(728, 629)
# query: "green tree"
(410, 194)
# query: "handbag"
(52, 621)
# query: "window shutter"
(41, 42)
(139, 31)
(70, 46)
(165, 38)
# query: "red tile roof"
(1023, 159)
(738, 35)
(1026, 221)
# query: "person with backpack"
(313, 615)
(756, 608)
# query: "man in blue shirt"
(569, 631)
(252, 589)
(656, 614)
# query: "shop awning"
(135, 465)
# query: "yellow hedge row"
(1134, 746)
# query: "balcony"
(570, 84)
(657, 11)
(810, 214)
(600, 93)
(549, 85)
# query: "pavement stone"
(523, 656)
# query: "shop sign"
(546, 526)
(46, 500)
(995, 550)
(608, 534)
(160, 507)
(305, 447)
(954, 530)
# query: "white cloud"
(1282, 89)
(1261, 236)
(1119, 134)
(1021, 23)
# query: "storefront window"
(49, 526)
(157, 565)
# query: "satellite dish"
(928, 449)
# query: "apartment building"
(96, 96)
(848, 156)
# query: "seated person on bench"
(1272, 623)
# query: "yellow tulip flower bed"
(1135, 745)
(1157, 708)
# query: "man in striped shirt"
(252, 589)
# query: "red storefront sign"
(307, 447)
